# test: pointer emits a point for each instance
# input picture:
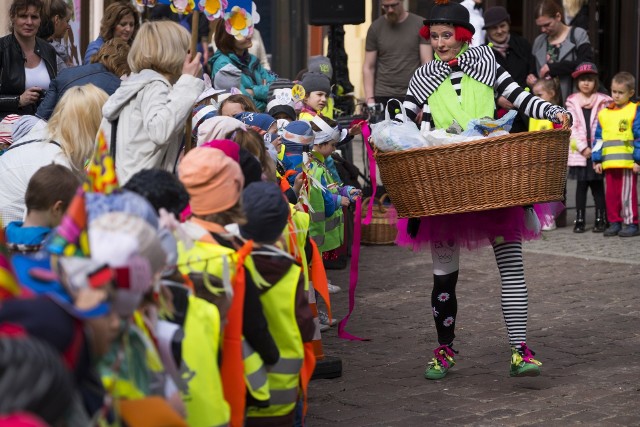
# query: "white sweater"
(152, 115)
(18, 165)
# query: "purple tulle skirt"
(473, 230)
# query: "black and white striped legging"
(514, 297)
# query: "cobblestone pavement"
(583, 323)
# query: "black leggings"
(597, 191)
(514, 295)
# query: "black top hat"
(446, 12)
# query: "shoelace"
(526, 354)
(443, 354)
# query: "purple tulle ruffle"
(473, 230)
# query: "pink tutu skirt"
(473, 230)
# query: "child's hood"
(128, 90)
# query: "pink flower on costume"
(239, 23)
(435, 312)
(183, 6)
(213, 9)
(448, 321)
(443, 297)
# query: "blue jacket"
(253, 75)
(93, 48)
(96, 74)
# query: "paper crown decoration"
(71, 237)
(213, 9)
(238, 19)
(239, 15)
(183, 6)
(101, 171)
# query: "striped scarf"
(479, 63)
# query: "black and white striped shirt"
(421, 84)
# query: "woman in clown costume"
(461, 84)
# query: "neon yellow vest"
(204, 402)
(539, 124)
(328, 233)
(278, 304)
(301, 224)
(617, 136)
(255, 374)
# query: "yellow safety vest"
(255, 374)
(617, 136)
(204, 401)
(297, 241)
(328, 233)
(278, 304)
(539, 124)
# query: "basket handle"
(365, 203)
(384, 197)
(566, 123)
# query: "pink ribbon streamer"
(366, 133)
(357, 234)
(353, 275)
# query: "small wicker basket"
(510, 170)
(379, 231)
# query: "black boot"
(579, 223)
(601, 221)
(561, 219)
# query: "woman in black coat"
(27, 63)
(513, 53)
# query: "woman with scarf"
(461, 84)
(232, 62)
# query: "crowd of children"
(175, 273)
(171, 277)
(604, 154)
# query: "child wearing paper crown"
(584, 106)
(327, 222)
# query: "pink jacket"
(579, 128)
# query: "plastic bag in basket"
(442, 137)
(391, 135)
(491, 127)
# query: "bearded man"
(393, 51)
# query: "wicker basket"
(379, 231)
(510, 170)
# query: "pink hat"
(585, 68)
(227, 146)
(213, 180)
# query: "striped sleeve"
(527, 103)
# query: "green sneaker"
(441, 363)
(522, 362)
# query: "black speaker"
(336, 12)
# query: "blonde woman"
(67, 139)
(144, 119)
